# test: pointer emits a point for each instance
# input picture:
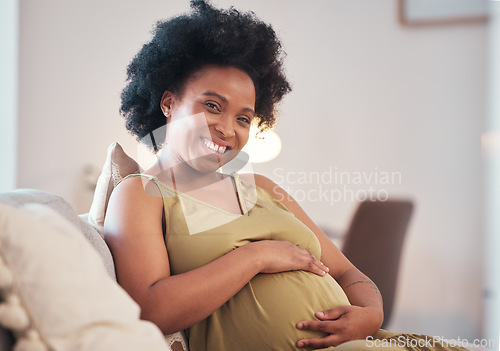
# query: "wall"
(370, 97)
(9, 18)
(491, 157)
(397, 100)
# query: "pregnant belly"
(264, 314)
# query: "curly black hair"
(185, 44)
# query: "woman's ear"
(166, 103)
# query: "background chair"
(373, 244)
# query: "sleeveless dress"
(263, 314)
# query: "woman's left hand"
(344, 323)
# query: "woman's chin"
(213, 161)
(206, 164)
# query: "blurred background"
(383, 104)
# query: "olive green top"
(263, 314)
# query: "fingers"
(317, 343)
(333, 328)
(314, 265)
(282, 256)
(328, 321)
(333, 313)
(340, 324)
(320, 326)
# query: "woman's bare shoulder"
(132, 190)
(134, 202)
(134, 234)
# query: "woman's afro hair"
(185, 44)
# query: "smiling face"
(210, 123)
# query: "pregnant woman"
(232, 259)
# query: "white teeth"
(213, 146)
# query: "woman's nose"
(224, 125)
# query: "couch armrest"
(20, 197)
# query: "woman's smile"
(214, 146)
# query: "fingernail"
(300, 343)
(320, 314)
(300, 325)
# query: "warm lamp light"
(490, 143)
(262, 147)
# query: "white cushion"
(52, 272)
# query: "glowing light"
(262, 147)
(490, 143)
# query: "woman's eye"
(212, 106)
(244, 120)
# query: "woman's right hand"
(276, 256)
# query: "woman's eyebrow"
(211, 93)
(249, 110)
(224, 100)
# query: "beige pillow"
(117, 166)
(56, 292)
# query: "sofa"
(58, 288)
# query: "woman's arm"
(133, 232)
(344, 323)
